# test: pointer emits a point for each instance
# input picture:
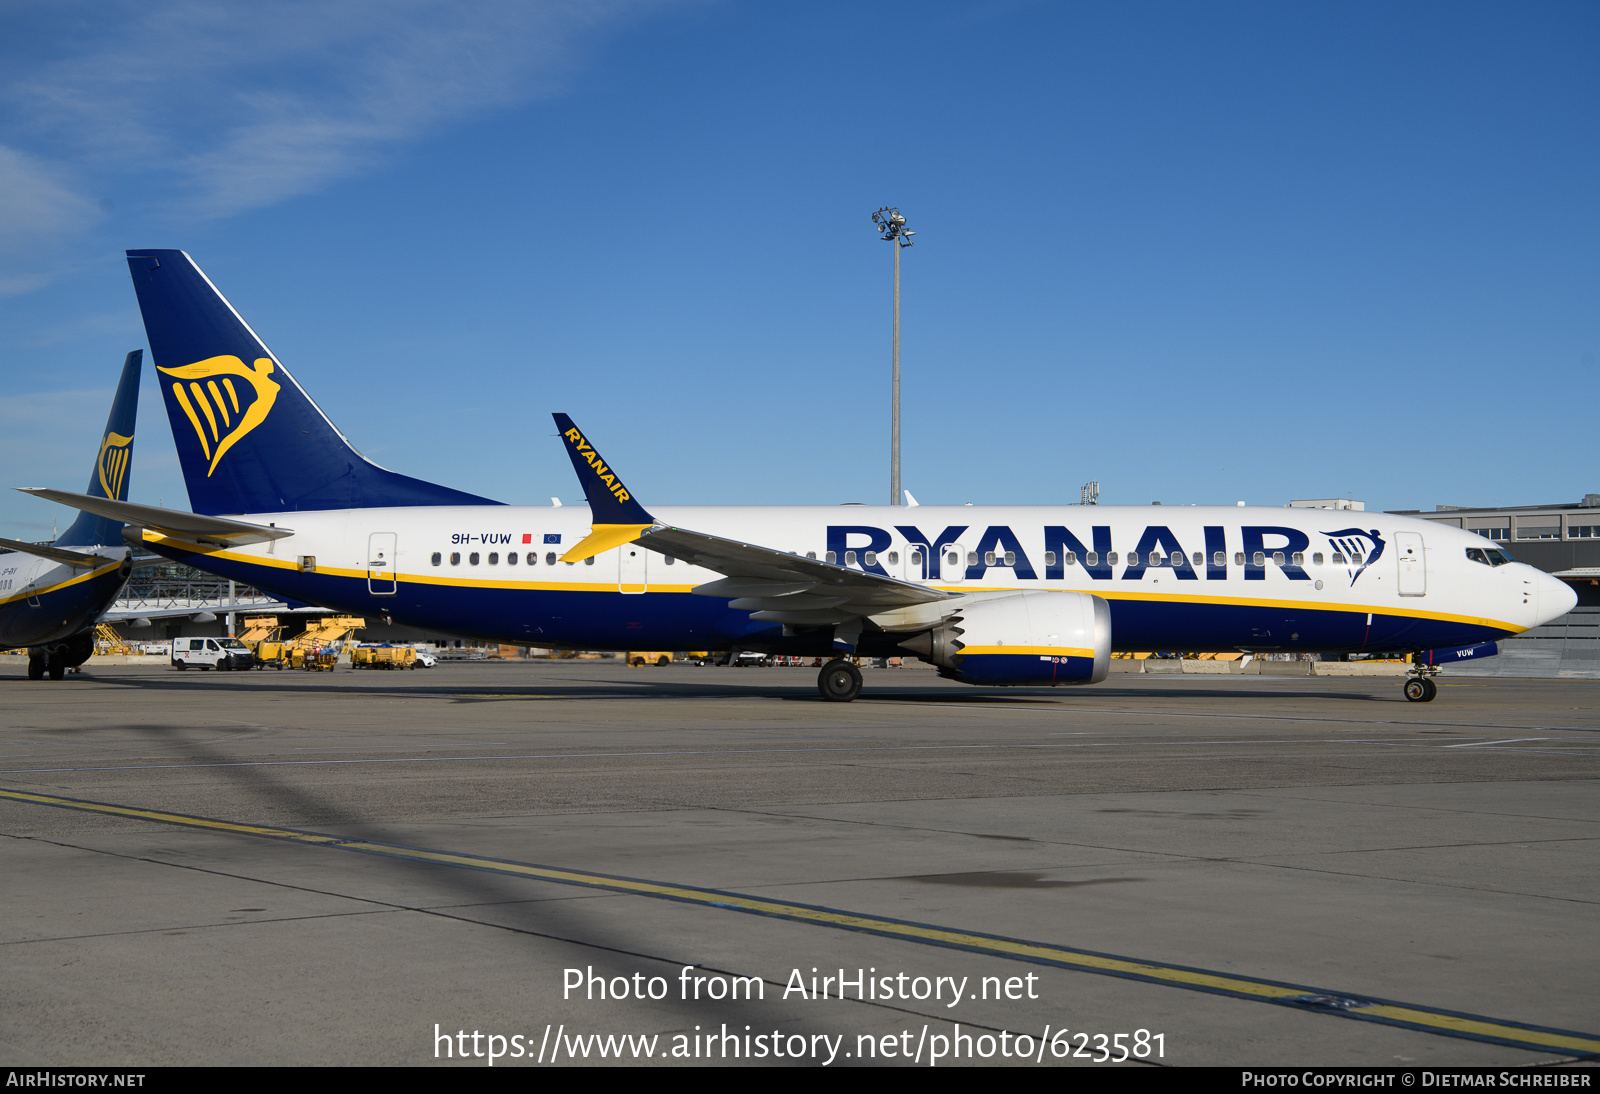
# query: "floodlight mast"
(892, 227)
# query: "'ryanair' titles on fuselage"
(946, 556)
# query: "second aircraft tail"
(112, 463)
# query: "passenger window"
(811, 554)
(1133, 558)
(589, 561)
(669, 559)
(972, 558)
(1261, 558)
(455, 558)
(1338, 559)
(1219, 559)
(1111, 558)
(549, 558)
(511, 558)
(437, 558)
(988, 558)
(954, 559)
(1011, 558)
(1091, 558)
(894, 558)
(916, 558)
(1071, 558)
(1200, 558)
(494, 558)
(473, 558)
(1277, 558)
(1299, 558)
(1049, 558)
(870, 558)
(1355, 559)
(1316, 559)
(533, 558)
(832, 558)
(849, 558)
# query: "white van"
(211, 653)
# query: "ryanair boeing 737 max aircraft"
(1012, 595)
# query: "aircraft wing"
(194, 527)
(57, 554)
(775, 586)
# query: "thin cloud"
(245, 105)
(37, 212)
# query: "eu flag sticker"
(552, 537)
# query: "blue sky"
(1199, 253)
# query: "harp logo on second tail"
(111, 466)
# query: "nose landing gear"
(1419, 686)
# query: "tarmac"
(447, 865)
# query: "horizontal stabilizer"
(194, 527)
(57, 554)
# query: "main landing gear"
(839, 681)
(1419, 687)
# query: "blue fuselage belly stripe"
(607, 619)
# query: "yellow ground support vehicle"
(383, 657)
(656, 657)
(271, 654)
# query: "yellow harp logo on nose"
(209, 385)
(112, 464)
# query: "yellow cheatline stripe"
(29, 594)
(1042, 651)
(1474, 1027)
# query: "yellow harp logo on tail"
(112, 465)
(211, 400)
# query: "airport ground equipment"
(383, 657)
(648, 657)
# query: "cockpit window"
(1475, 554)
(1488, 556)
(1498, 557)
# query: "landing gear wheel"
(839, 681)
(36, 667)
(58, 671)
(1419, 689)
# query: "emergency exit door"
(632, 564)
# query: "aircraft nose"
(1556, 598)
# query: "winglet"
(614, 516)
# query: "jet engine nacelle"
(1033, 639)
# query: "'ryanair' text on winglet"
(615, 518)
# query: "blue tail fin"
(249, 438)
(112, 463)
